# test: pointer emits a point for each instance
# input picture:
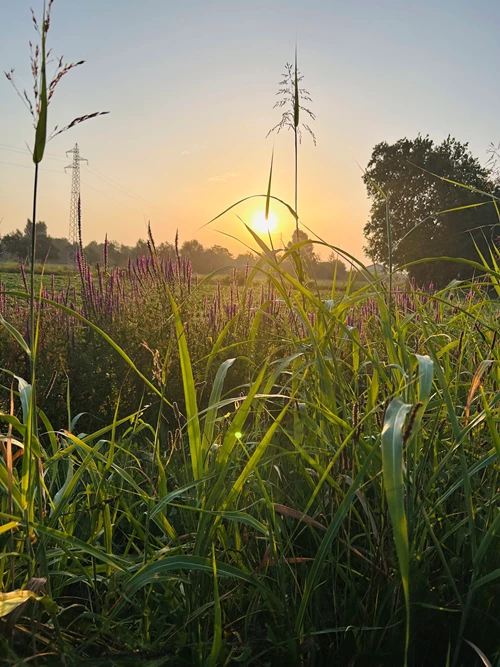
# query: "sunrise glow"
(263, 226)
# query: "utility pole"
(75, 209)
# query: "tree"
(14, 245)
(245, 258)
(216, 257)
(17, 244)
(194, 251)
(334, 265)
(44, 249)
(416, 200)
(59, 249)
(139, 250)
(166, 249)
(307, 254)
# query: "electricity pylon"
(75, 209)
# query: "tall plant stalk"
(43, 91)
(390, 249)
(291, 98)
(32, 274)
(296, 183)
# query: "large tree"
(399, 173)
(307, 253)
(17, 244)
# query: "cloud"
(185, 153)
(222, 178)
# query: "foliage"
(128, 304)
(280, 548)
(16, 245)
(429, 215)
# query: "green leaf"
(237, 516)
(152, 571)
(16, 335)
(215, 394)
(25, 396)
(425, 378)
(5, 484)
(492, 533)
(492, 426)
(392, 468)
(188, 383)
(255, 458)
(41, 126)
(62, 491)
(73, 543)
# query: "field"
(267, 476)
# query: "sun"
(263, 226)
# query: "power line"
(110, 197)
(87, 185)
(123, 188)
(27, 166)
(26, 151)
(99, 174)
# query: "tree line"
(56, 250)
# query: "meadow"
(293, 469)
(246, 470)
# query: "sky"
(190, 86)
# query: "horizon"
(184, 141)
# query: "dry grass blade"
(296, 514)
(291, 561)
(476, 383)
(77, 121)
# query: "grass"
(285, 519)
(47, 269)
(13, 280)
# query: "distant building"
(377, 269)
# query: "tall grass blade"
(392, 467)
(217, 640)
(268, 195)
(215, 394)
